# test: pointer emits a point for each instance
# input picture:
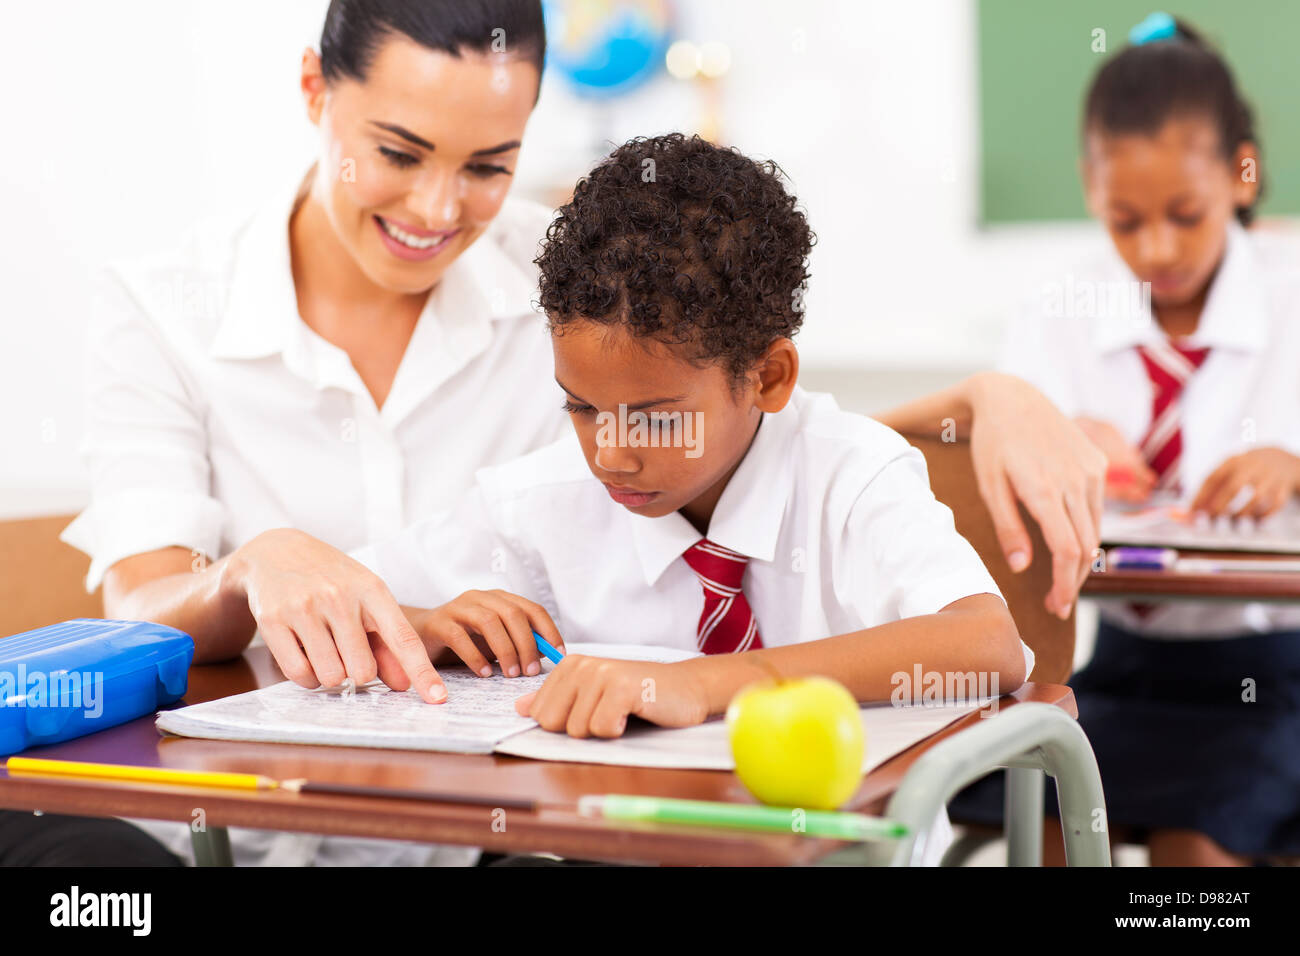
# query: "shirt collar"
(482, 286)
(1234, 316)
(485, 282)
(748, 516)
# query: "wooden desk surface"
(555, 828)
(1177, 585)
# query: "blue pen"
(544, 646)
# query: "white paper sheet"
(889, 731)
(479, 717)
(479, 712)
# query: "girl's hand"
(1025, 450)
(317, 609)
(499, 620)
(593, 696)
(1271, 475)
(1124, 459)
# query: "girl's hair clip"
(1157, 26)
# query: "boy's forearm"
(975, 634)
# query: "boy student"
(786, 529)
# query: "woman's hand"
(1264, 477)
(325, 616)
(1128, 477)
(1024, 449)
(593, 696)
(502, 621)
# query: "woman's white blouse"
(216, 413)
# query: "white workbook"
(889, 731)
(479, 711)
(479, 717)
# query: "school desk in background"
(1160, 552)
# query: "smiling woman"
(370, 321)
(406, 188)
(401, 189)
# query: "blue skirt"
(1189, 734)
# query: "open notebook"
(479, 717)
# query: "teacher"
(341, 363)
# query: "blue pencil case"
(74, 678)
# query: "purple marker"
(1141, 559)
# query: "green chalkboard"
(1036, 58)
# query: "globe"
(606, 48)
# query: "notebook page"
(478, 712)
(889, 731)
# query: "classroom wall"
(1029, 143)
(139, 116)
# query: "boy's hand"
(1271, 474)
(593, 696)
(504, 622)
(1123, 460)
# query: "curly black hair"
(684, 242)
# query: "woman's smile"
(410, 242)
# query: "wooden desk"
(1179, 586)
(556, 828)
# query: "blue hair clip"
(1157, 26)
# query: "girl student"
(1193, 709)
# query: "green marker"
(819, 823)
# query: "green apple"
(797, 743)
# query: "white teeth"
(408, 240)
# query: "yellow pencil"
(107, 771)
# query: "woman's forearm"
(930, 415)
(315, 606)
(204, 601)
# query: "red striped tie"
(726, 624)
(1169, 367)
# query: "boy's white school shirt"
(216, 413)
(1246, 395)
(833, 510)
